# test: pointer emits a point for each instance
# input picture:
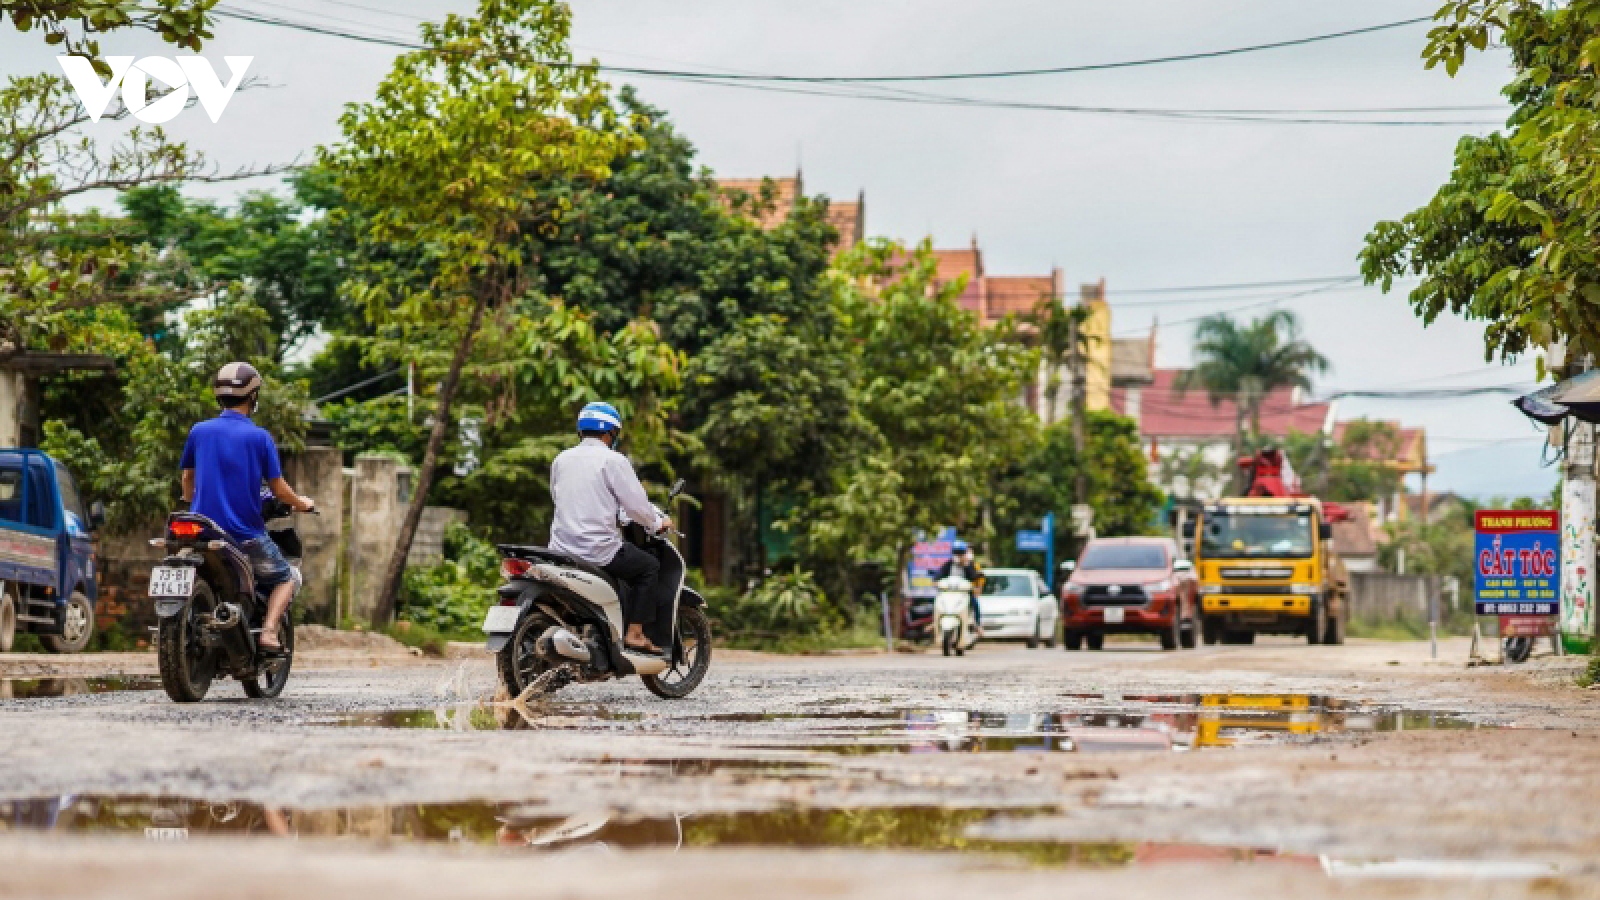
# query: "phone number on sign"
(1536, 609)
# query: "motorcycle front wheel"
(187, 665)
(689, 667)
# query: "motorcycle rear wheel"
(517, 662)
(187, 665)
(270, 684)
(694, 635)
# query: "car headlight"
(1305, 588)
(1158, 587)
(1210, 588)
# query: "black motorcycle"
(210, 609)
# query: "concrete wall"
(1381, 596)
(318, 473)
(124, 563)
(380, 490)
(427, 547)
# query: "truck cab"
(47, 567)
(1267, 565)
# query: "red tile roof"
(784, 192)
(1017, 294)
(1163, 412)
(1410, 447)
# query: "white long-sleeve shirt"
(591, 483)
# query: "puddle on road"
(483, 717)
(527, 826)
(1081, 724)
(37, 688)
(1094, 724)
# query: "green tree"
(1059, 336)
(1124, 499)
(1508, 240)
(940, 391)
(1244, 364)
(451, 162)
(73, 25)
(656, 240)
(131, 459)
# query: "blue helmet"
(599, 417)
(960, 547)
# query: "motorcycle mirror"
(677, 488)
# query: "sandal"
(271, 651)
(646, 648)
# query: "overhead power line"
(827, 86)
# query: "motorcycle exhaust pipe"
(224, 617)
(558, 641)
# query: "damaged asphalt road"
(1277, 766)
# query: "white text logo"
(181, 74)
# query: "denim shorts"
(267, 561)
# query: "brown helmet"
(237, 379)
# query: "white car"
(1016, 605)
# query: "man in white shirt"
(591, 483)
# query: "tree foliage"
(1508, 240)
(131, 460)
(1245, 363)
(74, 25)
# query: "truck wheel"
(1317, 625)
(8, 622)
(1071, 640)
(76, 629)
(1210, 630)
(1335, 632)
(1095, 640)
(1186, 634)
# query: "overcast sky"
(1144, 203)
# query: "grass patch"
(862, 635)
(1590, 675)
(430, 641)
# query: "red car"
(1131, 585)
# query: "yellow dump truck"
(1266, 565)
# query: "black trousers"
(646, 600)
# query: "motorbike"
(952, 616)
(209, 609)
(558, 620)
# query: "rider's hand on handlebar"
(306, 505)
(666, 525)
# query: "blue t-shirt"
(231, 456)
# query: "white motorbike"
(952, 616)
(559, 620)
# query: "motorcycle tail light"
(186, 530)
(511, 567)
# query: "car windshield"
(1124, 556)
(1243, 536)
(1007, 585)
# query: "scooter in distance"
(559, 620)
(952, 616)
(210, 609)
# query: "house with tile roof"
(1406, 453)
(1189, 440)
(994, 297)
(849, 217)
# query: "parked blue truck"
(47, 569)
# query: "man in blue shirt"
(224, 463)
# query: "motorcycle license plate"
(171, 581)
(1113, 615)
(501, 619)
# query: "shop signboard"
(1518, 562)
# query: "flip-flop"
(271, 652)
(648, 650)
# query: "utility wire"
(767, 83)
(357, 386)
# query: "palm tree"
(1246, 363)
(1060, 334)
